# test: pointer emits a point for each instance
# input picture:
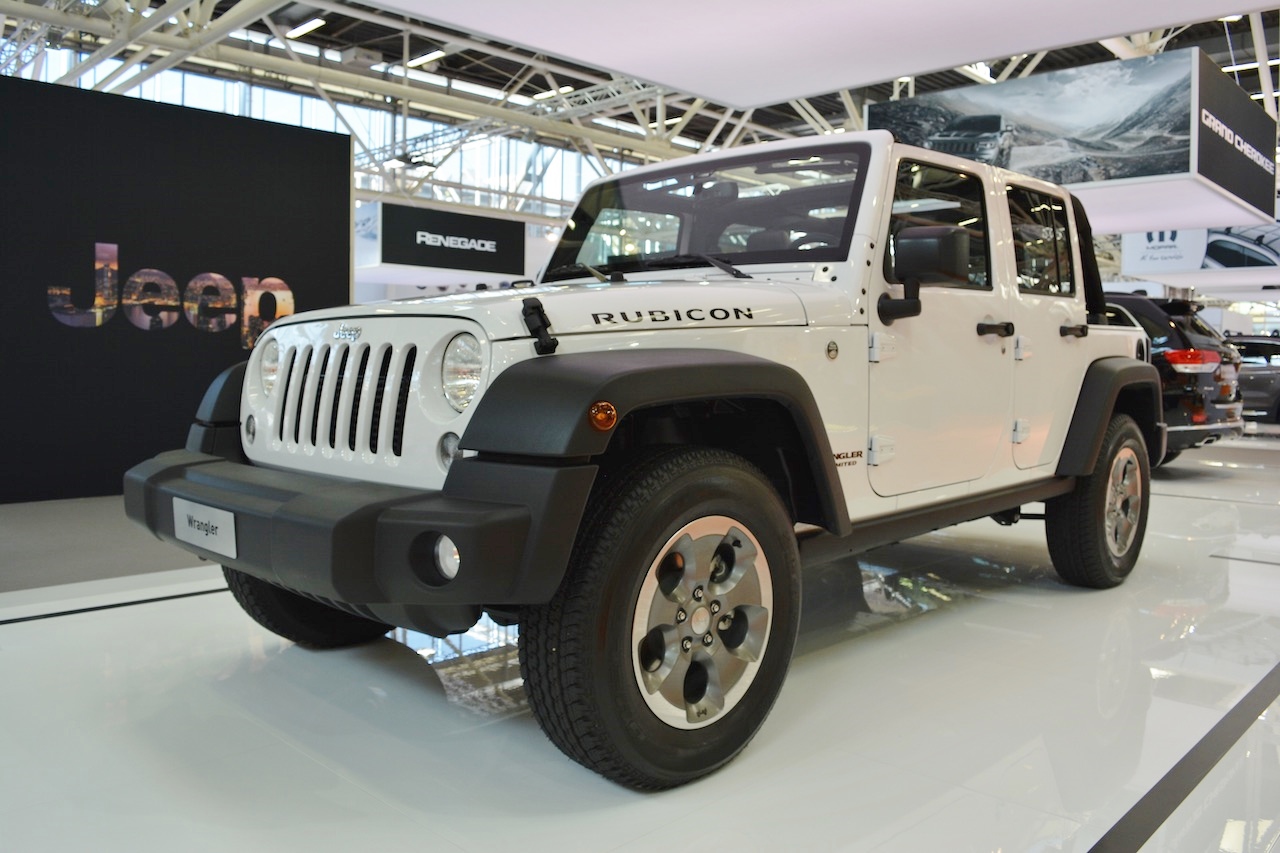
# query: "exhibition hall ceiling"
(618, 82)
(752, 54)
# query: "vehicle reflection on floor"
(1192, 630)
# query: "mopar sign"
(435, 238)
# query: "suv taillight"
(1193, 360)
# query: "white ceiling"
(745, 53)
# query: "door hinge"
(882, 346)
(1021, 430)
(880, 450)
(1021, 348)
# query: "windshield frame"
(709, 201)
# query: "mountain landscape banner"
(1177, 140)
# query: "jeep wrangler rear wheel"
(669, 639)
(1095, 532)
(306, 622)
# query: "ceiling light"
(1248, 66)
(1230, 19)
(302, 29)
(425, 58)
(551, 93)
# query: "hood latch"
(535, 318)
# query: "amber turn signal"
(603, 415)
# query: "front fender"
(216, 429)
(539, 407)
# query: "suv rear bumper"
(371, 546)
(1224, 421)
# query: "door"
(941, 382)
(1050, 319)
(1259, 377)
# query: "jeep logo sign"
(436, 238)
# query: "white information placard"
(210, 528)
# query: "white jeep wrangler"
(733, 365)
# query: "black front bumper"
(371, 547)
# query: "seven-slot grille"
(954, 146)
(345, 397)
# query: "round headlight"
(269, 365)
(460, 371)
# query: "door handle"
(1080, 331)
(1002, 330)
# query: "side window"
(1041, 242)
(1229, 254)
(1117, 317)
(933, 195)
(1253, 353)
(1159, 333)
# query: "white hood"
(614, 306)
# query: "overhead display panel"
(1233, 259)
(1166, 141)
(435, 251)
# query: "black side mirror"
(924, 254)
(891, 309)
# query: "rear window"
(1199, 333)
(1254, 352)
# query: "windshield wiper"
(680, 260)
(574, 267)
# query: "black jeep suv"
(1199, 371)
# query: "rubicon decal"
(448, 241)
(672, 315)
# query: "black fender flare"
(216, 429)
(1113, 385)
(538, 407)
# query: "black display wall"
(143, 247)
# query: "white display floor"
(949, 694)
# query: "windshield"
(768, 207)
(977, 124)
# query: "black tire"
(666, 645)
(306, 622)
(1095, 532)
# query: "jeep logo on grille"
(347, 333)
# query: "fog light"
(448, 561)
(448, 449)
(250, 428)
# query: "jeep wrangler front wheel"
(1095, 531)
(669, 639)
